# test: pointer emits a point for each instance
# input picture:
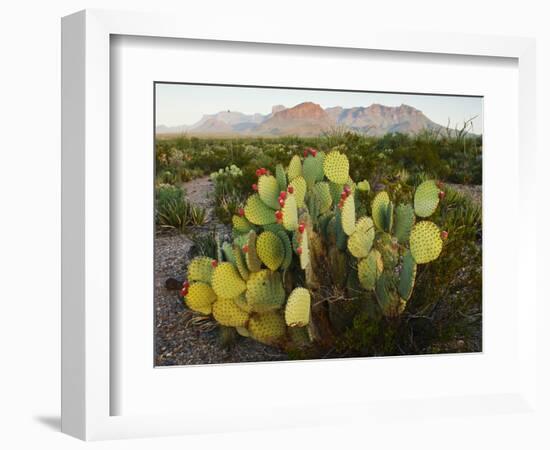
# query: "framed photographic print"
(247, 216)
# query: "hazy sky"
(180, 104)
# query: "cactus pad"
(287, 260)
(297, 308)
(200, 298)
(227, 313)
(240, 262)
(336, 167)
(426, 198)
(251, 256)
(407, 276)
(369, 269)
(281, 177)
(226, 281)
(241, 225)
(389, 249)
(404, 221)
(322, 191)
(294, 168)
(228, 254)
(313, 170)
(389, 301)
(290, 213)
(379, 207)
(268, 328)
(265, 291)
(303, 242)
(270, 249)
(243, 331)
(363, 186)
(360, 242)
(335, 191)
(257, 212)
(348, 215)
(425, 241)
(300, 187)
(268, 190)
(200, 269)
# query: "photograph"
(307, 224)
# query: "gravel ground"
(181, 336)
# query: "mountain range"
(309, 119)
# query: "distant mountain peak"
(310, 119)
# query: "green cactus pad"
(241, 240)
(298, 307)
(270, 249)
(290, 213)
(251, 256)
(243, 331)
(303, 242)
(363, 186)
(227, 313)
(200, 298)
(313, 170)
(268, 328)
(281, 177)
(335, 191)
(268, 190)
(240, 262)
(294, 168)
(404, 221)
(226, 281)
(369, 269)
(379, 207)
(388, 222)
(241, 302)
(300, 187)
(257, 212)
(227, 249)
(341, 237)
(200, 269)
(241, 225)
(389, 249)
(426, 198)
(407, 276)
(336, 167)
(348, 215)
(425, 242)
(265, 291)
(360, 242)
(287, 260)
(389, 301)
(322, 191)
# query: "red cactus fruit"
(313, 152)
(186, 284)
(258, 172)
(215, 263)
(255, 187)
(301, 227)
(347, 189)
(299, 250)
(444, 235)
(441, 195)
(282, 202)
(282, 195)
(184, 292)
(290, 189)
(245, 248)
(340, 204)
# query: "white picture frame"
(86, 220)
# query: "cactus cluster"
(298, 246)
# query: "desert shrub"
(172, 210)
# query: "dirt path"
(181, 336)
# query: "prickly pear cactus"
(298, 249)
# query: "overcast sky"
(180, 104)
